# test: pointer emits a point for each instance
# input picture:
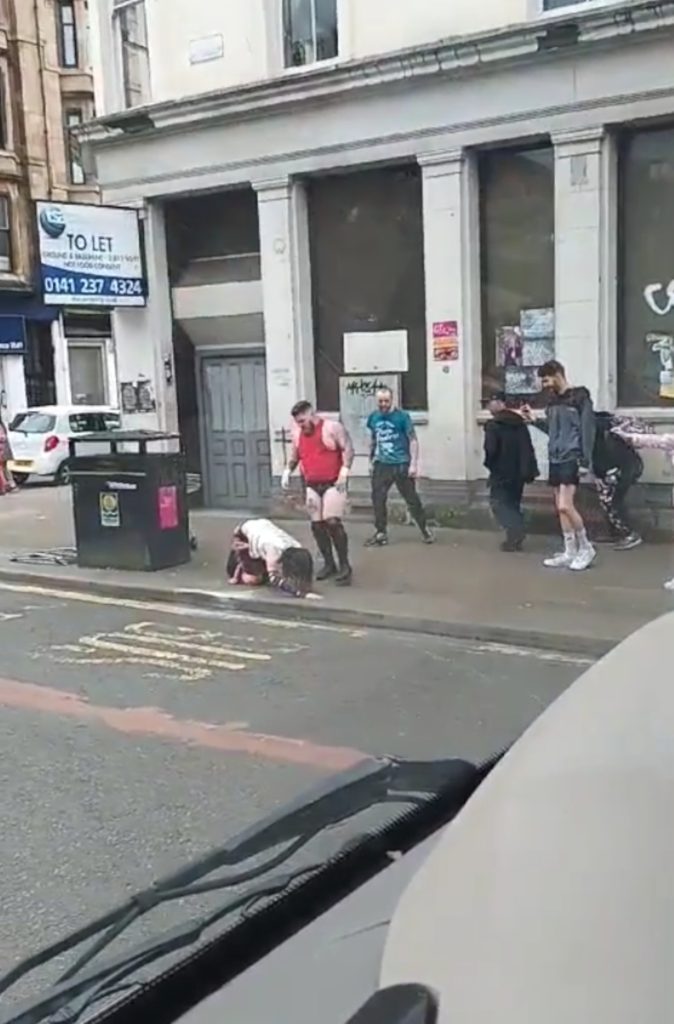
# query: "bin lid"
(126, 435)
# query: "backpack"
(611, 451)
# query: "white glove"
(342, 479)
(285, 479)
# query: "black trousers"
(505, 498)
(384, 477)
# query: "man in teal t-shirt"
(394, 455)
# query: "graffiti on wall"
(660, 298)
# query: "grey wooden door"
(236, 434)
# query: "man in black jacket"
(509, 456)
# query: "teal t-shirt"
(391, 432)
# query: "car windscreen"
(33, 422)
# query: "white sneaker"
(562, 560)
(583, 559)
(669, 585)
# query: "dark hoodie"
(570, 426)
(508, 452)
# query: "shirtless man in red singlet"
(323, 451)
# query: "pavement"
(138, 735)
(462, 587)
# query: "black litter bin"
(130, 506)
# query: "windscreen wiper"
(326, 805)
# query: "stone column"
(61, 362)
(144, 336)
(286, 296)
(581, 260)
(451, 258)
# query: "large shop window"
(366, 237)
(214, 238)
(646, 273)
(517, 218)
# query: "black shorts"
(564, 473)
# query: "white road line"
(179, 610)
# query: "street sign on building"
(90, 255)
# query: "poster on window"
(90, 255)
(662, 347)
(537, 323)
(508, 346)
(522, 380)
(536, 351)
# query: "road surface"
(135, 737)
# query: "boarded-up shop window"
(366, 236)
(517, 223)
(646, 272)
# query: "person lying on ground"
(262, 553)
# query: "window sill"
(420, 418)
(572, 8)
(657, 413)
(304, 69)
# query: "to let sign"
(90, 255)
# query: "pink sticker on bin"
(168, 508)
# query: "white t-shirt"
(267, 540)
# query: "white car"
(39, 437)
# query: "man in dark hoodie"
(570, 426)
(509, 456)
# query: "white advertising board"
(375, 352)
(90, 255)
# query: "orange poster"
(445, 341)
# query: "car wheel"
(19, 478)
(63, 474)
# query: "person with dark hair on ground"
(323, 451)
(261, 552)
(570, 426)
